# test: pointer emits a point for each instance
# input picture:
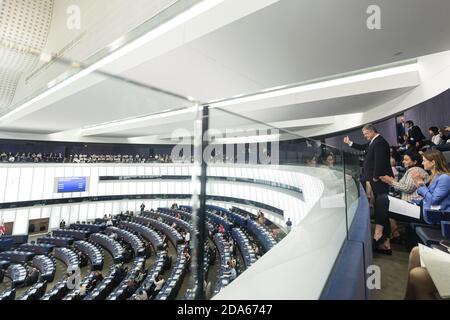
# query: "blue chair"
(438, 228)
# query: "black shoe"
(387, 252)
(376, 247)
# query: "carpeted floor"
(394, 272)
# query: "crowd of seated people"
(421, 175)
(42, 157)
(10, 157)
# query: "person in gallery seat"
(436, 195)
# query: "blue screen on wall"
(71, 184)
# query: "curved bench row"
(57, 241)
(146, 232)
(135, 242)
(93, 228)
(225, 256)
(119, 293)
(173, 283)
(94, 254)
(170, 218)
(17, 273)
(156, 270)
(67, 256)
(75, 293)
(113, 247)
(46, 267)
(38, 248)
(17, 256)
(174, 236)
(58, 291)
(261, 233)
(245, 246)
(69, 233)
(35, 292)
(8, 294)
(102, 290)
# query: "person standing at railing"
(376, 164)
(289, 225)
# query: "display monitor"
(71, 184)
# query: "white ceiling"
(288, 42)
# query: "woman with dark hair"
(328, 159)
(413, 163)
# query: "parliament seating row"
(57, 241)
(17, 273)
(225, 255)
(173, 283)
(146, 232)
(93, 228)
(17, 256)
(171, 219)
(113, 247)
(152, 273)
(58, 291)
(244, 246)
(234, 217)
(186, 216)
(135, 242)
(173, 235)
(69, 233)
(8, 294)
(35, 292)
(37, 248)
(4, 264)
(46, 267)
(261, 233)
(102, 290)
(68, 257)
(216, 219)
(119, 293)
(94, 254)
(74, 294)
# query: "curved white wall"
(24, 182)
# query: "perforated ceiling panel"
(23, 24)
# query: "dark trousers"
(381, 206)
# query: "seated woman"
(420, 286)
(437, 195)
(413, 163)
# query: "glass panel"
(302, 181)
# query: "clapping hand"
(387, 179)
(417, 178)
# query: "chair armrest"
(435, 216)
(445, 229)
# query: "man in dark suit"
(415, 135)
(401, 130)
(377, 164)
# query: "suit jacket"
(437, 194)
(415, 134)
(377, 160)
(400, 129)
